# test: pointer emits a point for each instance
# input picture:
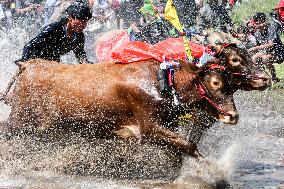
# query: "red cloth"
(280, 11)
(280, 4)
(120, 50)
(105, 47)
(232, 2)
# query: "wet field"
(247, 155)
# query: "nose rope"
(203, 94)
(248, 76)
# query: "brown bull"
(246, 75)
(115, 97)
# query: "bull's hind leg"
(163, 134)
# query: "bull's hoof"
(124, 133)
(128, 132)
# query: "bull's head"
(247, 76)
(213, 92)
(215, 88)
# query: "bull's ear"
(216, 47)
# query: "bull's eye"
(216, 83)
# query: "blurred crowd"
(125, 13)
(17, 12)
(150, 20)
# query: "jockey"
(187, 12)
(60, 37)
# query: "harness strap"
(248, 76)
(203, 94)
(216, 66)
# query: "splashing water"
(247, 155)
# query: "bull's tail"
(3, 96)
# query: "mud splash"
(247, 155)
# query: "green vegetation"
(242, 12)
(280, 75)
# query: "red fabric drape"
(119, 49)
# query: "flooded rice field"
(247, 155)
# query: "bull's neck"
(185, 83)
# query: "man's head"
(259, 20)
(78, 14)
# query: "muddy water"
(247, 155)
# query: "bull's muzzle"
(232, 119)
(261, 80)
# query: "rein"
(203, 94)
(247, 76)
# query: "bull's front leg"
(159, 133)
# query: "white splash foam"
(227, 162)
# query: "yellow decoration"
(172, 17)
(186, 116)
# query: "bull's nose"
(232, 118)
(264, 77)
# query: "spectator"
(246, 34)
(26, 14)
(100, 8)
(130, 13)
(269, 48)
(214, 16)
(187, 12)
(278, 16)
(6, 13)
